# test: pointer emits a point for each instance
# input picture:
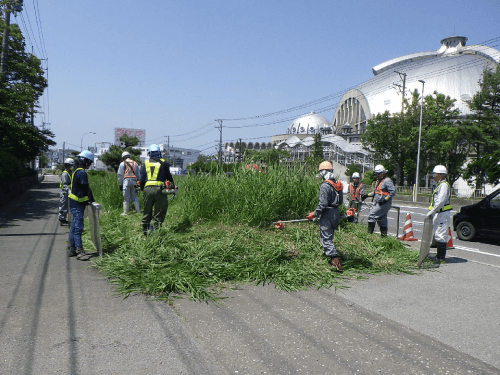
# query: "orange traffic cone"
(408, 230)
(449, 245)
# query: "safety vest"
(378, 190)
(447, 205)
(129, 169)
(70, 179)
(354, 193)
(73, 196)
(152, 170)
(338, 188)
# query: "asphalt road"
(57, 315)
(481, 249)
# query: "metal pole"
(415, 189)
(81, 141)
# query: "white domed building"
(299, 141)
(453, 70)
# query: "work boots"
(371, 227)
(137, 207)
(82, 255)
(125, 208)
(441, 251)
(383, 231)
(72, 251)
(336, 263)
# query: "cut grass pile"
(197, 254)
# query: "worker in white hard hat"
(63, 195)
(330, 197)
(440, 211)
(383, 193)
(128, 180)
(356, 191)
(80, 196)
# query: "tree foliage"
(113, 157)
(394, 138)
(483, 129)
(267, 157)
(351, 168)
(21, 86)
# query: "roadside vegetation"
(219, 233)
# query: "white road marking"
(476, 251)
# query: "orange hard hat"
(325, 165)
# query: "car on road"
(479, 218)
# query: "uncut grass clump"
(250, 197)
(106, 191)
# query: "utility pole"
(403, 78)
(220, 142)
(168, 148)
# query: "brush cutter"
(169, 189)
(279, 223)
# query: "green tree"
(318, 147)
(368, 178)
(483, 128)
(394, 138)
(351, 168)
(267, 157)
(21, 86)
(113, 157)
(443, 136)
(386, 137)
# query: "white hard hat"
(69, 161)
(441, 169)
(355, 175)
(125, 154)
(379, 169)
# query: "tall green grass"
(218, 233)
(250, 197)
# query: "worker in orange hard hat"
(330, 197)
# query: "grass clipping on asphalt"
(199, 258)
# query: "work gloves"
(121, 187)
(384, 201)
(310, 216)
(364, 196)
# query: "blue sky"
(173, 67)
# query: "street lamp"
(415, 189)
(81, 142)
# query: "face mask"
(327, 175)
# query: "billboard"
(140, 134)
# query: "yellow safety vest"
(447, 206)
(152, 170)
(70, 180)
(73, 196)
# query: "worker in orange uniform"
(128, 179)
